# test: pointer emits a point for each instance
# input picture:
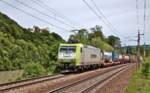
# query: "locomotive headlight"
(73, 55)
(60, 55)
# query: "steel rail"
(21, 83)
(93, 86)
(61, 88)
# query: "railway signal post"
(138, 49)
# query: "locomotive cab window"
(63, 50)
(72, 49)
(68, 49)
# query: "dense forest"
(95, 37)
(20, 47)
(144, 50)
(35, 49)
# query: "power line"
(50, 9)
(94, 11)
(103, 16)
(137, 15)
(33, 16)
(99, 10)
(106, 23)
(26, 5)
(144, 26)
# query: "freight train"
(79, 57)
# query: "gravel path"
(80, 87)
(119, 84)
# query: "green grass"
(9, 76)
(139, 83)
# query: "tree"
(33, 70)
(97, 32)
(20, 46)
(36, 29)
(80, 37)
(94, 38)
(97, 42)
(114, 41)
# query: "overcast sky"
(121, 14)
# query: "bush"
(52, 67)
(33, 70)
(146, 68)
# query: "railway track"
(21, 83)
(85, 85)
(100, 83)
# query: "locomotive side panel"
(90, 56)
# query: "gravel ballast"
(119, 84)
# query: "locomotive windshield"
(68, 49)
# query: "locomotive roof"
(75, 44)
(78, 44)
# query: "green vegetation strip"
(9, 76)
(140, 83)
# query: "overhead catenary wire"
(94, 11)
(55, 12)
(102, 19)
(45, 14)
(137, 15)
(29, 14)
(102, 15)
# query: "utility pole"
(144, 50)
(144, 26)
(138, 48)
